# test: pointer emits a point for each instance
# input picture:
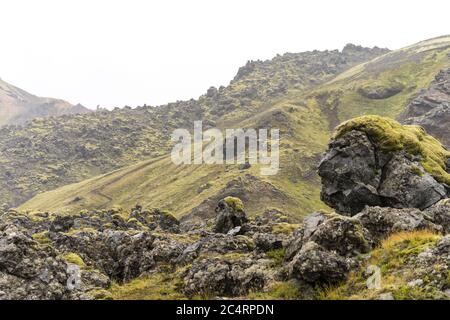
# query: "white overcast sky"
(130, 52)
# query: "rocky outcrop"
(440, 215)
(381, 92)
(431, 109)
(65, 257)
(358, 170)
(314, 63)
(388, 178)
(56, 256)
(381, 222)
(316, 265)
(328, 246)
(406, 266)
(350, 174)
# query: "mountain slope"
(384, 86)
(49, 153)
(18, 106)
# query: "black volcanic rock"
(230, 214)
(355, 174)
(30, 271)
(316, 265)
(350, 174)
(79, 256)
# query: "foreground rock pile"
(52, 256)
(329, 246)
(77, 257)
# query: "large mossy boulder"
(228, 275)
(316, 265)
(375, 161)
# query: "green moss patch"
(234, 203)
(285, 228)
(278, 291)
(42, 237)
(74, 259)
(277, 256)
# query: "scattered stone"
(415, 283)
(316, 265)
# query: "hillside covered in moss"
(305, 112)
(48, 153)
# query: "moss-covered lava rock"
(376, 161)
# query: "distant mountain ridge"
(18, 106)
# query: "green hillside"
(305, 103)
(49, 153)
(160, 183)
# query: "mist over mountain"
(18, 106)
